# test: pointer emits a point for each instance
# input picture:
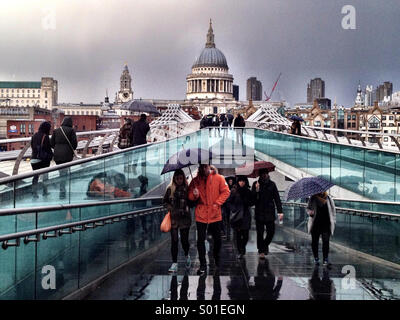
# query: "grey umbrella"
(140, 106)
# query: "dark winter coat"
(266, 200)
(36, 142)
(125, 136)
(140, 129)
(239, 122)
(62, 149)
(178, 206)
(241, 197)
(203, 123)
(225, 123)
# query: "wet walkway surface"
(287, 273)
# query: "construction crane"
(267, 98)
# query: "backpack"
(124, 140)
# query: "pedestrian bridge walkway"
(84, 238)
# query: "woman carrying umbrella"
(176, 201)
(322, 212)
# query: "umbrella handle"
(189, 166)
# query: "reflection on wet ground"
(288, 273)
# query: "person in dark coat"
(296, 128)
(238, 124)
(241, 199)
(225, 124)
(140, 129)
(226, 211)
(176, 201)
(64, 142)
(216, 123)
(41, 155)
(203, 122)
(266, 199)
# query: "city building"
(236, 92)
(125, 92)
(43, 94)
(360, 96)
(254, 89)
(209, 85)
(315, 89)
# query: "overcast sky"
(87, 43)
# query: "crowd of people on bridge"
(225, 203)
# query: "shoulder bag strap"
(67, 139)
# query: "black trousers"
(315, 234)
(37, 166)
(175, 239)
(264, 242)
(215, 231)
(242, 237)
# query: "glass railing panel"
(60, 254)
(380, 175)
(93, 262)
(7, 195)
(93, 212)
(57, 217)
(397, 178)
(361, 234)
(386, 240)
(314, 157)
(7, 273)
(118, 249)
(342, 233)
(83, 176)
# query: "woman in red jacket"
(210, 190)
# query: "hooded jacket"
(213, 192)
(266, 200)
(241, 198)
(62, 150)
(36, 141)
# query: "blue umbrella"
(296, 118)
(186, 158)
(307, 187)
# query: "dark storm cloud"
(160, 40)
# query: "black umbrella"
(140, 106)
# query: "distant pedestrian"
(296, 128)
(140, 129)
(64, 142)
(210, 190)
(241, 200)
(176, 201)
(216, 125)
(239, 124)
(125, 135)
(225, 125)
(322, 212)
(266, 199)
(41, 155)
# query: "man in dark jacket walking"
(266, 198)
(64, 142)
(140, 129)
